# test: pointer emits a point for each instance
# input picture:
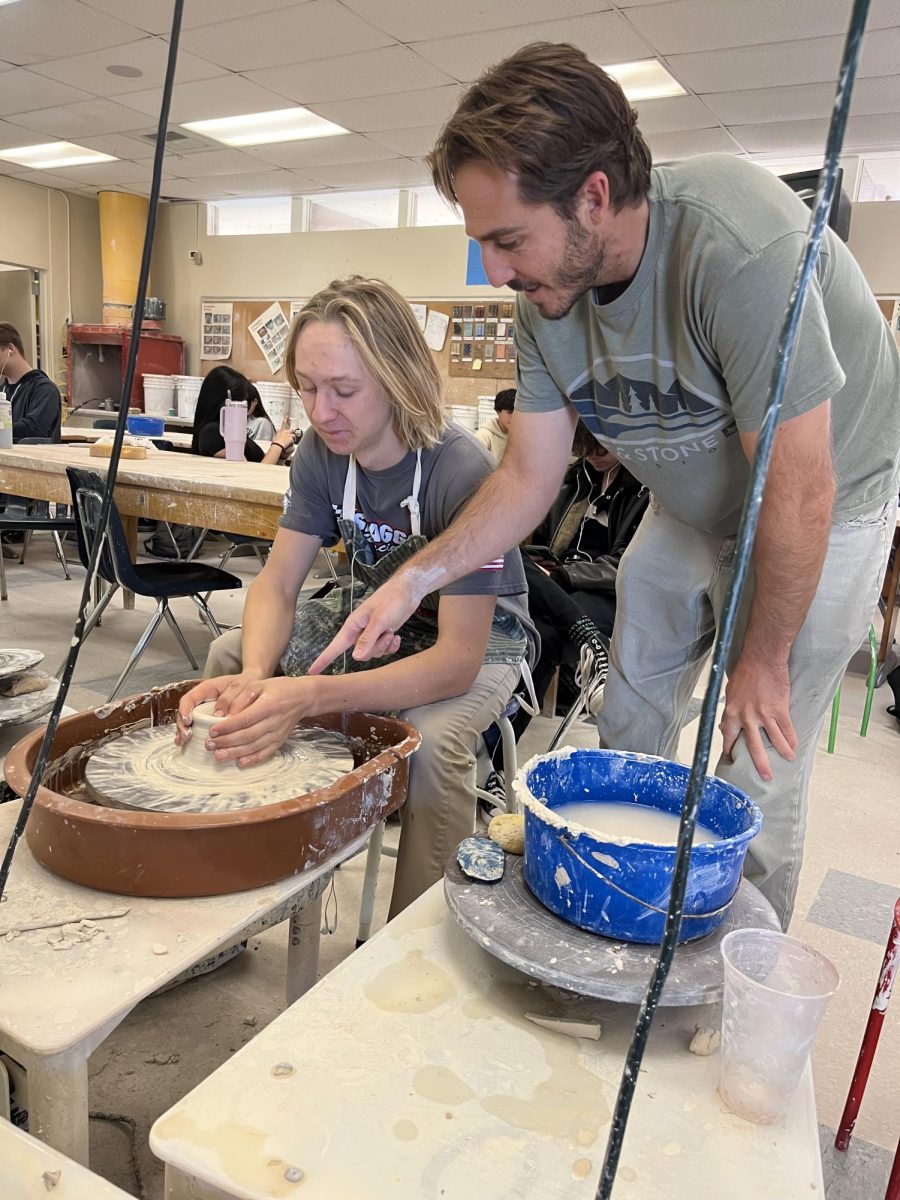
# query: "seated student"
(495, 434)
(381, 469)
(36, 402)
(260, 427)
(216, 388)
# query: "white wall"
(17, 306)
(427, 264)
(875, 243)
(49, 230)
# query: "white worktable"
(28, 1171)
(58, 1005)
(416, 1077)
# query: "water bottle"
(233, 427)
(5, 422)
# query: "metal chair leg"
(206, 614)
(60, 553)
(194, 550)
(3, 592)
(226, 556)
(176, 629)
(261, 552)
(139, 649)
(370, 883)
(835, 712)
(26, 542)
(870, 681)
(510, 762)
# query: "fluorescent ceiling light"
(645, 80)
(50, 155)
(259, 129)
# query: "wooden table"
(29, 1170)
(413, 1074)
(58, 1005)
(70, 436)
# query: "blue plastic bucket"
(621, 889)
(146, 426)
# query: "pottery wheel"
(146, 771)
(507, 921)
(14, 661)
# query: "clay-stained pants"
(670, 593)
(440, 806)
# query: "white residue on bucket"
(562, 877)
(606, 859)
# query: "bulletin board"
(456, 359)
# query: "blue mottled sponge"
(481, 859)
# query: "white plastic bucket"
(465, 415)
(159, 399)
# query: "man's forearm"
(267, 625)
(791, 544)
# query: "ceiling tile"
(396, 172)
(5, 66)
(155, 16)
(120, 145)
(194, 189)
(149, 56)
(415, 20)
(48, 180)
(318, 152)
(414, 143)
(102, 174)
(808, 137)
(373, 73)
(223, 96)
(43, 29)
(21, 90)
(672, 114)
(226, 161)
(319, 29)
(807, 101)
(75, 121)
(267, 183)
(666, 147)
(15, 135)
(606, 37)
(691, 25)
(405, 109)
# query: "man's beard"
(580, 270)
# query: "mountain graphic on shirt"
(636, 410)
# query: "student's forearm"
(424, 678)
(267, 624)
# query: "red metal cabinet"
(97, 355)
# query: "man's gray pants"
(670, 594)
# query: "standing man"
(36, 402)
(495, 434)
(650, 304)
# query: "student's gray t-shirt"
(452, 471)
(668, 372)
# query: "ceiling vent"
(178, 142)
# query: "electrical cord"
(118, 437)
(744, 546)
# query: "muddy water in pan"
(630, 823)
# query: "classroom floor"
(850, 880)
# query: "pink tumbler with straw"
(233, 428)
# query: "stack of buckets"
(485, 410)
(465, 415)
(159, 395)
(187, 388)
(276, 400)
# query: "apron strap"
(348, 505)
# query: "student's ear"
(594, 196)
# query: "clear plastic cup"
(776, 993)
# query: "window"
(263, 214)
(334, 211)
(879, 179)
(430, 208)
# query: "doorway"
(20, 305)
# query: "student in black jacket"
(35, 398)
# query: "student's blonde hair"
(384, 332)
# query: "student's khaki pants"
(670, 594)
(440, 806)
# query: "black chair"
(33, 516)
(161, 581)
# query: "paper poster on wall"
(215, 329)
(269, 331)
(436, 329)
(296, 305)
(420, 312)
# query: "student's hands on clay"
(757, 702)
(254, 733)
(232, 693)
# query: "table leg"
(58, 1103)
(303, 948)
(130, 525)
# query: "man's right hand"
(232, 694)
(370, 630)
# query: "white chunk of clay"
(705, 1041)
(508, 831)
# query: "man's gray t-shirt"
(668, 373)
(452, 471)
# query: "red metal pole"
(869, 1044)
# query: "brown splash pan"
(177, 854)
